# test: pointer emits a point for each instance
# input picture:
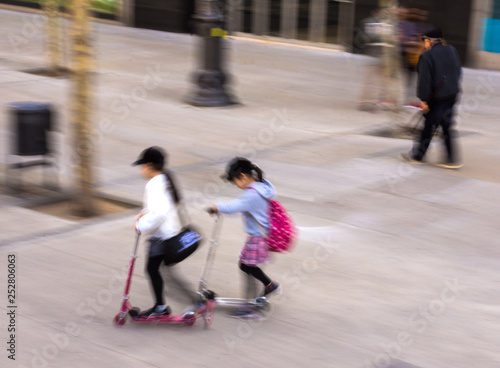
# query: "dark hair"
(241, 165)
(171, 185)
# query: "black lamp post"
(210, 79)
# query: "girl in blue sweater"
(253, 205)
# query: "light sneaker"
(407, 157)
(450, 165)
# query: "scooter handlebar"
(211, 211)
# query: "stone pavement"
(395, 265)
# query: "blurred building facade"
(472, 26)
(483, 47)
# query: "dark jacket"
(439, 73)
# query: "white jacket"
(161, 219)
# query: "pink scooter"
(205, 308)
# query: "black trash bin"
(32, 125)
(31, 122)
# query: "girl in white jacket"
(159, 218)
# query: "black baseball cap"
(434, 33)
(154, 155)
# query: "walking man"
(439, 76)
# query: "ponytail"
(259, 172)
(241, 165)
(171, 186)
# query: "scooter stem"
(211, 253)
(131, 266)
(136, 244)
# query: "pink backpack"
(282, 231)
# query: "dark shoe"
(450, 165)
(272, 288)
(134, 312)
(407, 157)
(156, 311)
(245, 313)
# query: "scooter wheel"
(262, 303)
(189, 318)
(120, 318)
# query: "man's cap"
(236, 166)
(154, 155)
(435, 33)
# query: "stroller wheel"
(208, 316)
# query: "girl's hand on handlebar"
(142, 213)
(212, 209)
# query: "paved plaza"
(396, 265)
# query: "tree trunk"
(84, 145)
(53, 36)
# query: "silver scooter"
(260, 304)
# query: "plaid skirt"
(254, 251)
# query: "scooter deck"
(169, 319)
(238, 302)
(189, 318)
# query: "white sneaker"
(450, 165)
(407, 157)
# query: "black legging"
(153, 268)
(173, 278)
(256, 272)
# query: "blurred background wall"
(472, 26)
